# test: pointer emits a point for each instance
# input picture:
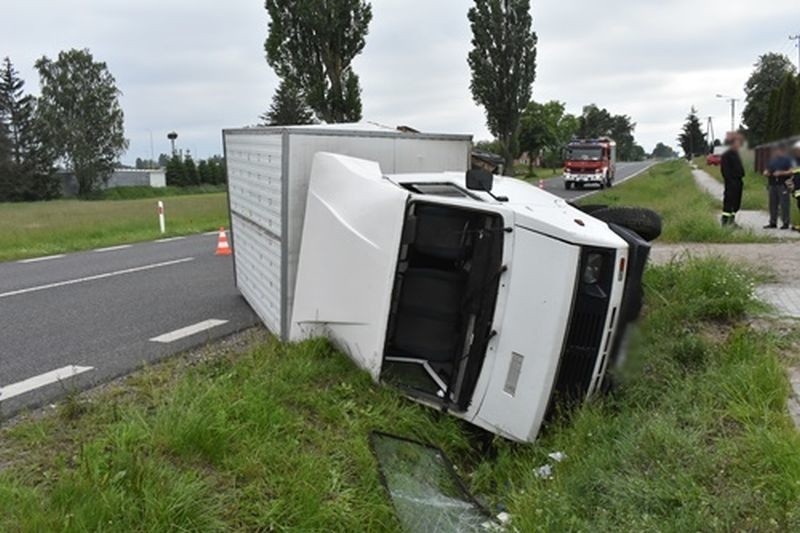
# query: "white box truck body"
(268, 175)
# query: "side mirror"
(479, 180)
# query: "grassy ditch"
(45, 228)
(689, 214)
(274, 437)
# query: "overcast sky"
(197, 66)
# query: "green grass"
(695, 439)
(44, 228)
(689, 214)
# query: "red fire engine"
(590, 161)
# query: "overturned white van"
(485, 297)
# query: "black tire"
(591, 208)
(566, 185)
(645, 222)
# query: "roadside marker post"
(541, 184)
(161, 222)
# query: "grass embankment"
(690, 215)
(45, 228)
(697, 438)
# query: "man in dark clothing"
(778, 171)
(733, 173)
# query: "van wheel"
(590, 209)
(566, 185)
(645, 222)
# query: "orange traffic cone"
(541, 184)
(223, 248)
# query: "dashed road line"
(188, 331)
(113, 248)
(638, 172)
(42, 380)
(95, 277)
(40, 259)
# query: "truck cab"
(590, 161)
(487, 298)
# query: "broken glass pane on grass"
(427, 494)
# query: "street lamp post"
(733, 101)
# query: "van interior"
(443, 302)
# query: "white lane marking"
(113, 248)
(642, 171)
(211, 232)
(171, 239)
(95, 277)
(188, 331)
(48, 378)
(45, 258)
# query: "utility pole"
(797, 44)
(733, 109)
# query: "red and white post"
(161, 221)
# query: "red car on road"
(713, 160)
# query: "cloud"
(198, 66)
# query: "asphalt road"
(625, 171)
(70, 322)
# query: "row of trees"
(312, 43)
(183, 171)
(76, 122)
(772, 105)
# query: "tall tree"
(783, 115)
(79, 108)
(599, 122)
(595, 122)
(662, 151)
(190, 173)
(312, 44)
(692, 139)
(6, 179)
(769, 73)
(288, 107)
(545, 128)
(30, 173)
(176, 173)
(503, 64)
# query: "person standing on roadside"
(794, 180)
(778, 171)
(733, 174)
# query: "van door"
(348, 257)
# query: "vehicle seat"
(440, 232)
(428, 320)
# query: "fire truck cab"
(590, 161)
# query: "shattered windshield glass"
(426, 493)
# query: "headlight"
(593, 268)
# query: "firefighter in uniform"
(733, 174)
(794, 181)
